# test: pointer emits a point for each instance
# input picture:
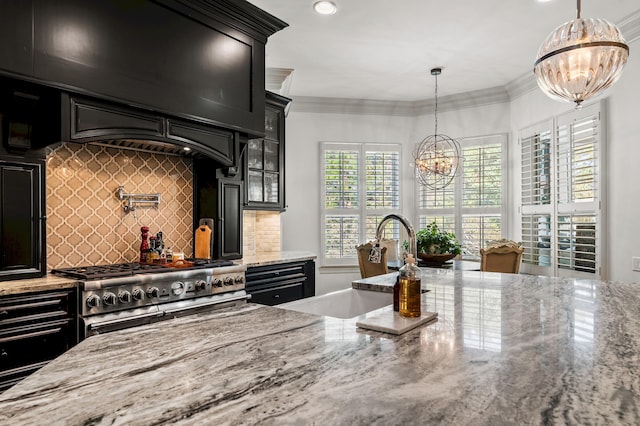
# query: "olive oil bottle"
(410, 289)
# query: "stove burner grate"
(97, 272)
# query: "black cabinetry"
(34, 329)
(280, 283)
(264, 159)
(219, 197)
(22, 251)
(193, 59)
(16, 27)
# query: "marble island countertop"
(506, 349)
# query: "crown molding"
(521, 85)
(398, 108)
(630, 27)
(278, 80)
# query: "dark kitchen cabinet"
(202, 60)
(229, 221)
(281, 283)
(22, 206)
(219, 197)
(34, 329)
(264, 159)
(15, 36)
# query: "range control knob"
(177, 288)
(109, 298)
(201, 285)
(217, 282)
(138, 294)
(239, 279)
(153, 292)
(228, 281)
(93, 301)
(124, 296)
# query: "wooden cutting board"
(203, 242)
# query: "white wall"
(301, 221)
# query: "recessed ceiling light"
(186, 148)
(325, 7)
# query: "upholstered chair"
(501, 256)
(371, 269)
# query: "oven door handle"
(208, 303)
(122, 320)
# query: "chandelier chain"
(435, 113)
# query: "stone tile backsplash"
(86, 223)
(261, 232)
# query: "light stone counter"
(273, 258)
(506, 349)
(29, 285)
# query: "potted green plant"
(435, 245)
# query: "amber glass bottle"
(410, 289)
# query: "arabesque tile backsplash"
(86, 223)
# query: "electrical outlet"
(635, 263)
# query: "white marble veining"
(506, 349)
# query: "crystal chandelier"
(580, 58)
(437, 157)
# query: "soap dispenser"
(410, 290)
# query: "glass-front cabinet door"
(265, 160)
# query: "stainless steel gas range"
(114, 297)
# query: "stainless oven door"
(104, 323)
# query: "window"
(360, 185)
(561, 166)
(472, 205)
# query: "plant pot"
(436, 258)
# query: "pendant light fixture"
(580, 58)
(437, 157)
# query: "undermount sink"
(343, 304)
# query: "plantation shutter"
(360, 185)
(482, 193)
(578, 165)
(562, 180)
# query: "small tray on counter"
(391, 322)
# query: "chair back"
(501, 256)
(370, 269)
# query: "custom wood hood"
(181, 73)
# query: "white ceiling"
(383, 50)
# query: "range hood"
(37, 116)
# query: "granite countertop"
(506, 349)
(54, 282)
(30, 285)
(273, 258)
